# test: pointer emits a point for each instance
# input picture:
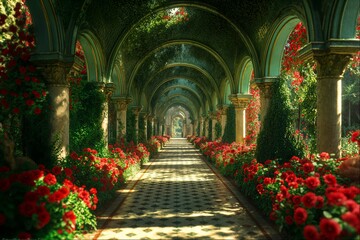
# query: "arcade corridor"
(178, 196)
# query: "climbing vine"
(229, 132)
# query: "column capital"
(150, 117)
(55, 73)
(265, 88)
(222, 108)
(109, 89)
(331, 65)
(136, 110)
(240, 100)
(121, 103)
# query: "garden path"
(179, 196)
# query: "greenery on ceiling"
(155, 24)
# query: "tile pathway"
(178, 196)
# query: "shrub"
(276, 139)
(229, 133)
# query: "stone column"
(206, 123)
(202, 122)
(240, 103)
(121, 104)
(155, 127)
(329, 74)
(150, 118)
(105, 113)
(265, 96)
(195, 125)
(58, 90)
(136, 110)
(213, 117)
(108, 90)
(145, 117)
(223, 117)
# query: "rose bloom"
(336, 198)
(27, 208)
(310, 232)
(43, 191)
(43, 217)
(56, 170)
(330, 179)
(312, 182)
(319, 202)
(308, 167)
(24, 236)
(50, 179)
(324, 155)
(329, 228)
(309, 200)
(352, 219)
(300, 216)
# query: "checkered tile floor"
(178, 197)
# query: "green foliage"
(210, 129)
(218, 129)
(131, 127)
(229, 131)
(276, 139)
(86, 117)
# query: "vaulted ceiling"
(166, 52)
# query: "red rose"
(31, 196)
(27, 208)
(24, 236)
(352, 219)
(42, 191)
(319, 202)
(352, 206)
(296, 199)
(336, 198)
(311, 233)
(312, 182)
(22, 70)
(29, 102)
(300, 215)
(329, 228)
(68, 172)
(324, 155)
(308, 167)
(330, 179)
(43, 217)
(70, 219)
(37, 111)
(50, 179)
(56, 170)
(309, 200)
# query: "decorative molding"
(265, 88)
(121, 103)
(331, 65)
(55, 73)
(240, 101)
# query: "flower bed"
(307, 198)
(44, 204)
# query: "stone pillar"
(145, 117)
(121, 104)
(155, 127)
(109, 89)
(150, 118)
(55, 75)
(329, 74)
(265, 96)
(213, 117)
(136, 110)
(206, 123)
(223, 111)
(195, 125)
(202, 122)
(240, 103)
